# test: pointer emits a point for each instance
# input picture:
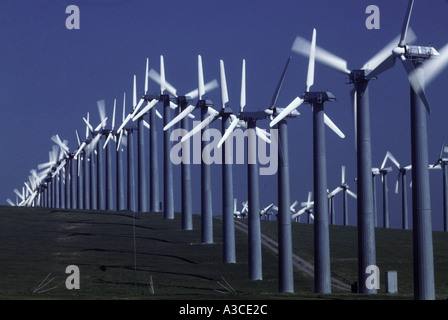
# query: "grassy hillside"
(171, 263)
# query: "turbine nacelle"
(318, 97)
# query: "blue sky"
(50, 77)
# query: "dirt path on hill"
(298, 262)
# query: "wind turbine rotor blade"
(229, 130)
(397, 182)
(262, 134)
(334, 192)
(102, 109)
(333, 127)
(404, 28)
(134, 93)
(310, 74)
(202, 125)
(125, 122)
(224, 92)
(343, 175)
(352, 194)
(292, 106)
(201, 89)
(180, 116)
(109, 136)
(113, 114)
(146, 75)
(148, 107)
(280, 83)
(88, 124)
(101, 125)
(243, 87)
(303, 47)
(158, 114)
(162, 75)
(119, 141)
(154, 75)
(77, 138)
(415, 81)
(393, 159)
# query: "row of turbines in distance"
(83, 178)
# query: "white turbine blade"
(148, 107)
(333, 127)
(342, 174)
(126, 120)
(180, 116)
(262, 134)
(352, 194)
(404, 28)
(10, 202)
(134, 93)
(233, 124)
(295, 203)
(433, 67)
(158, 114)
(146, 124)
(310, 74)
(209, 86)
(243, 87)
(119, 141)
(292, 106)
(77, 138)
(102, 109)
(202, 125)
(303, 47)
(224, 93)
(109, 136)
(113, 114)
(201, 88)
(80, 149)
(88, 124)
(102, 124)
(397, 182)
(154, 75)
(162, 75)
(334, 192)
(146, 75)
(394, 161)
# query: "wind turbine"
(137, 115)
(306, 208)
(401, 176)
(360, 96)
(442, 164)
(415, 59)
(345, 190)
(383, 171)
(316, 100)
(184, 109)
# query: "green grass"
(36, 242)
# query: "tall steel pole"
(254, 233)
(141, 169)
(187, 204)
(206, 187)
(100, 174)
(285, 265)
(130, 172)
(153, 163)
(120, 179)
(422, 227)
(229, 254)
(168, 198)
(322, 278)
(366, 215)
